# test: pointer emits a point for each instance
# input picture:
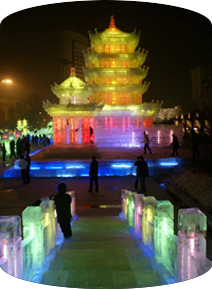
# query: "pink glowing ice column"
(11, 245)
(191, 239)
(138, 213)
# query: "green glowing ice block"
(126, 202)
(148, 204)
(131, 207)
(192, 226)
(164, 240)
(123, 201)
(49, 225)
(33, 232)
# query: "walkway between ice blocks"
(103, 253)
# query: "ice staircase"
(101, 254)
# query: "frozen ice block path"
(101, 253)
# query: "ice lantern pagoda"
(73, 117)
(115, 73)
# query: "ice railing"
(181, 257)
(23, 252)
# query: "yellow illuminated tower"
(115, 72)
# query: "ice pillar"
(138, 213)
(33, 243)
(49, 225)
(73, 203)
(164, 239)
(126, 202)
(11, 245)
(148, 204)
(131, 207)
(192, 227)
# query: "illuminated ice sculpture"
(192, 226)
(49, 224)
(165, 242)
(138, 214)
(33, 243)
(73, 203)
(131, 208)
(148, 215)
(11, 245)
(73, 117)
(109, 107)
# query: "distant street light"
(7, 81)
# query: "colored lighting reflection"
(121, 166)
(168, 164)
(80, 168)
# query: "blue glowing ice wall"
(164, 239)
(192, 227)
(33, 243)
(148, 216)
(138, 214)
(11, 245)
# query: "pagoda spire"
(73, 71)
(112, 22)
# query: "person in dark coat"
(19, 147)
(93, 173)
(23, 166)
(195, 143)
(142, 172)
(28, 159)
(12, 148)
(175, 144)
(146, 143)
(3, 149)
(63, 208)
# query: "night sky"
(178, 40)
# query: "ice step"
(105, 263)
(100, 244)
(99, 253)
(101, 278)
(106, 238)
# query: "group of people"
(175, 144)
(22, 146)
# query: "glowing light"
(74, 167)
(159, 136)
(54, 168)
(7, 81)
(121, 166)
(168, 164)
(171, 133)
(35, 168)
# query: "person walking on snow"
(146, 143)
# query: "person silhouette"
(63, 208)
(93, 173)
(146, 143)
(142, 172)
(175, 145)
